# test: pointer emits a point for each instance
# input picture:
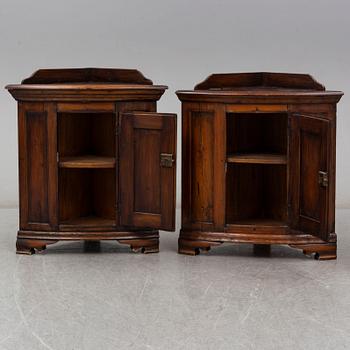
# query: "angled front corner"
(37, 166)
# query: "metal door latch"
(323, 178)
(166, 160)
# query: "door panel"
(147, 170)
(310, 161)
(147, 197)
(128, 107)
(309, 172)
(38, 166)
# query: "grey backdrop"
(177, 43)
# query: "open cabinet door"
(147, 170)
(309, 174)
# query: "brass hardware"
(323, 178)
(166, 160)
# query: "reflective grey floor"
(114, 299)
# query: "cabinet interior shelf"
(257, 158)
(87, 162)
(259, 222)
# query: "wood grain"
(37, 166)
(87, 162)
(202, 167)
(147, 189)
(86, 92)
(261, 158)
(260, 80)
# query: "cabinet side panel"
(219, 172)
(186, 199)
(52, 180)
(332, 171)
(37, 167)
(202, 158)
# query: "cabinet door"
(147, 170)
(309, 174)
(37, 166)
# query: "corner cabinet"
(258, 163)
(96, 161)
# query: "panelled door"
(147, 142)
(37, 166)
(309, 175)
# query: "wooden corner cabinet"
(258, 163)
(96, 161)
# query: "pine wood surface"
(258, 163)
(75, 152)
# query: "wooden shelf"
(257, 158)
(88, 222)
(259, 222)
(87, 162)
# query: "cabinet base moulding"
(325, 251)
(190, 247)
(30, 246)
(142, 245)
(195, 242)
(30, 242)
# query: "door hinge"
(323, 178)
(166, 160)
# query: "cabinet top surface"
(86, 83)
(262, 85)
